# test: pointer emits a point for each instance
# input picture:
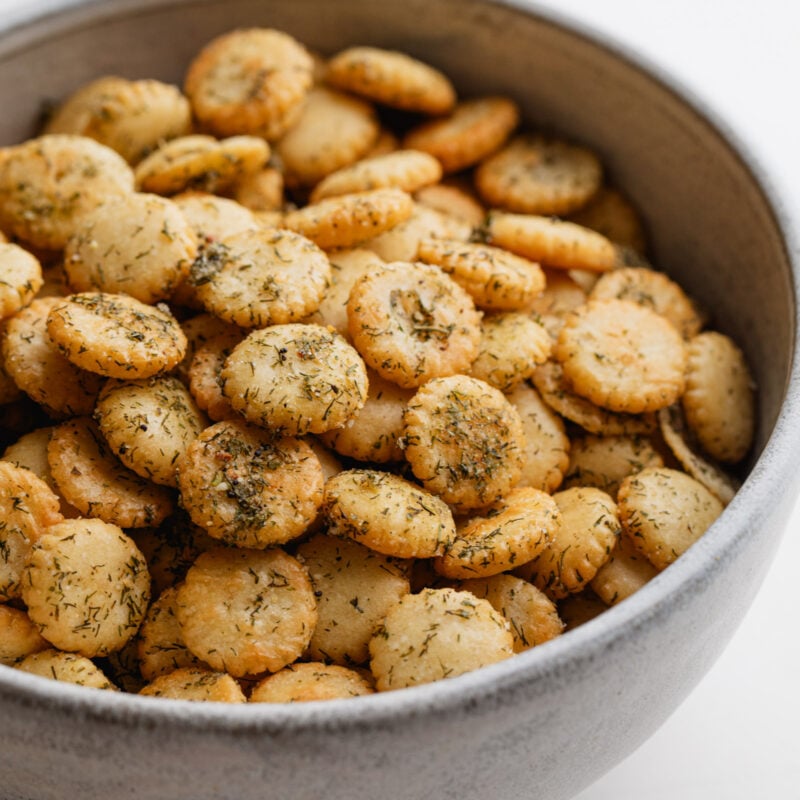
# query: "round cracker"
(438, 633)
(247, 611)
(116, 335)
(197, 684)
(86, 586)
(19, 637)
(21, 278)
(302, 683)
(624, 573)
(67, 667)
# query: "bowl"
(551, 720)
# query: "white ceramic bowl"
(548, 722)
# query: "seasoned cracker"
(260, 191)
(86, 586)
(67, 667)
(20, 278)
(392, 78)
(402, 242)
(200, 162)
(719, 401)
(579, 546)
(137, 244)
(554, 243)
(199, 331)
(684, 447)
(350, 219)
(48, 185)
(411, 323)
(247, 611)
(388, 514)
(374, 432)
(247, 487)
(261, 277)
(533, 616)
(197, 684)
(27, 508)
(556, 392)
(605, 461)
(652, 290)
(149, 424)
(37, 366)
(495, 279)
(204, 374)
(474, 130)
(539, 175)
(116, 335)
(547, 445)
(160, 644)
(214, 218)
(19, 637)
(408, 170)
(131, 117)
(663, 512)
(30, 451)
(355, 587)
(295, 378)
(622, 356)
(624, 573)
(464, 441)
(94, 481)
(333, 131)
(301, 683)
(510, 532)
(347, 266)
(453, 199)
(611, 213)
(438, 633)
(249, 81)
(511, 347)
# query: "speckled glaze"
(550, 721)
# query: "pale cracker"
(495, 279)
(611, 213)
(533, 616)
(474, 130)
(302, 683)
(131, 117)
(453, 199)
(249, 81)
(408, 170)
(579, 546)
(622, 356)
(624, 573)
(20, 278)
(464, 441)
(86, 586)
(19, 637)
(392, 78)
(539, 175)
(56, 665)
(355, 587)
(247, 611)
(719, 401)
(116, 335)
(332, 131)
(388, 514)
(197, 684)
(350, 220)
(663, 512)
(510, 532)
(438, 633)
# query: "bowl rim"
(534, 669)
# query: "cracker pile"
(318, 380)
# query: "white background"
(738, 736)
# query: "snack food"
(280, 572)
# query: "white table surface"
(737, 736)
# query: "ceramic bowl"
(550, 721)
